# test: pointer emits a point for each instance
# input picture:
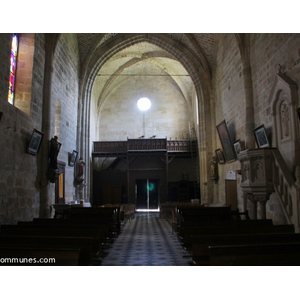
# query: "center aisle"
(146, 240)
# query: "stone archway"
(198, 73)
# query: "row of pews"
(218, 236)
(76, 236)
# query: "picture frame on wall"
(35, 142)
(73, 158)
(261, 137)
(220, 156)
(237, 145)
(226, 142)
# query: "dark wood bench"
(127, 212)
(272, 254)
(86, 244)
(200, 244)
(108, 215)
(241, 227)
(167, 209)
(106, 226)
(98, 236)
(199, 216)
(19, 256)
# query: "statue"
(53, 153)
(80, 170)
(213, 169)
(285, 120)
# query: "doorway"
(147, 194)
(60, 184)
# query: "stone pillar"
(252, 207)
(249, 109)
(255, 200)
(262, 199)
(46, 197)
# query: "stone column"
(262, 206)
(252, 206)
(46, 197)
(249, 109)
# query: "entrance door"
(147, 194)
(60, 184)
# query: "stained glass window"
(13, 66)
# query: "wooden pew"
(109, 215)
(272, 254)
(99, 224)
(236, 227)
(127, 211)
(106, 234)
(19, 256)
(194, 216)
(85, 244)
(166, 209)
(98, 236)
(200, 244)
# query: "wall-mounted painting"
(220, 156)
(261, 137)
(73, 158)
(226, 142)
(35, 142)
(237, 145)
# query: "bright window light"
(144, 104)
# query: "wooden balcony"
(144, 146)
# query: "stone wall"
(64, 104)
(230, 101)
(20, 171)
(267, 51)
(168, 116)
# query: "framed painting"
(73, 158)
(220, 156)
(261, 137)
(226, 142)
(35, 142)
(237, 145)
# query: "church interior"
(149, 163)
(184, 131)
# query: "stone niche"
(285, 135)
(257, 180)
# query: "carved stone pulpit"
(257, 180)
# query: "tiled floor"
(147, 240)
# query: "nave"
(146, 240)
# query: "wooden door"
(231, 193)
(112, 194)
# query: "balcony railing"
(150, 145)
(110, 147)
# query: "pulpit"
(257, 180)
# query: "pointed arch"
(194, 67)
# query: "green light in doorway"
(151, 186)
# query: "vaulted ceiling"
(201, 43)
(145, 59)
